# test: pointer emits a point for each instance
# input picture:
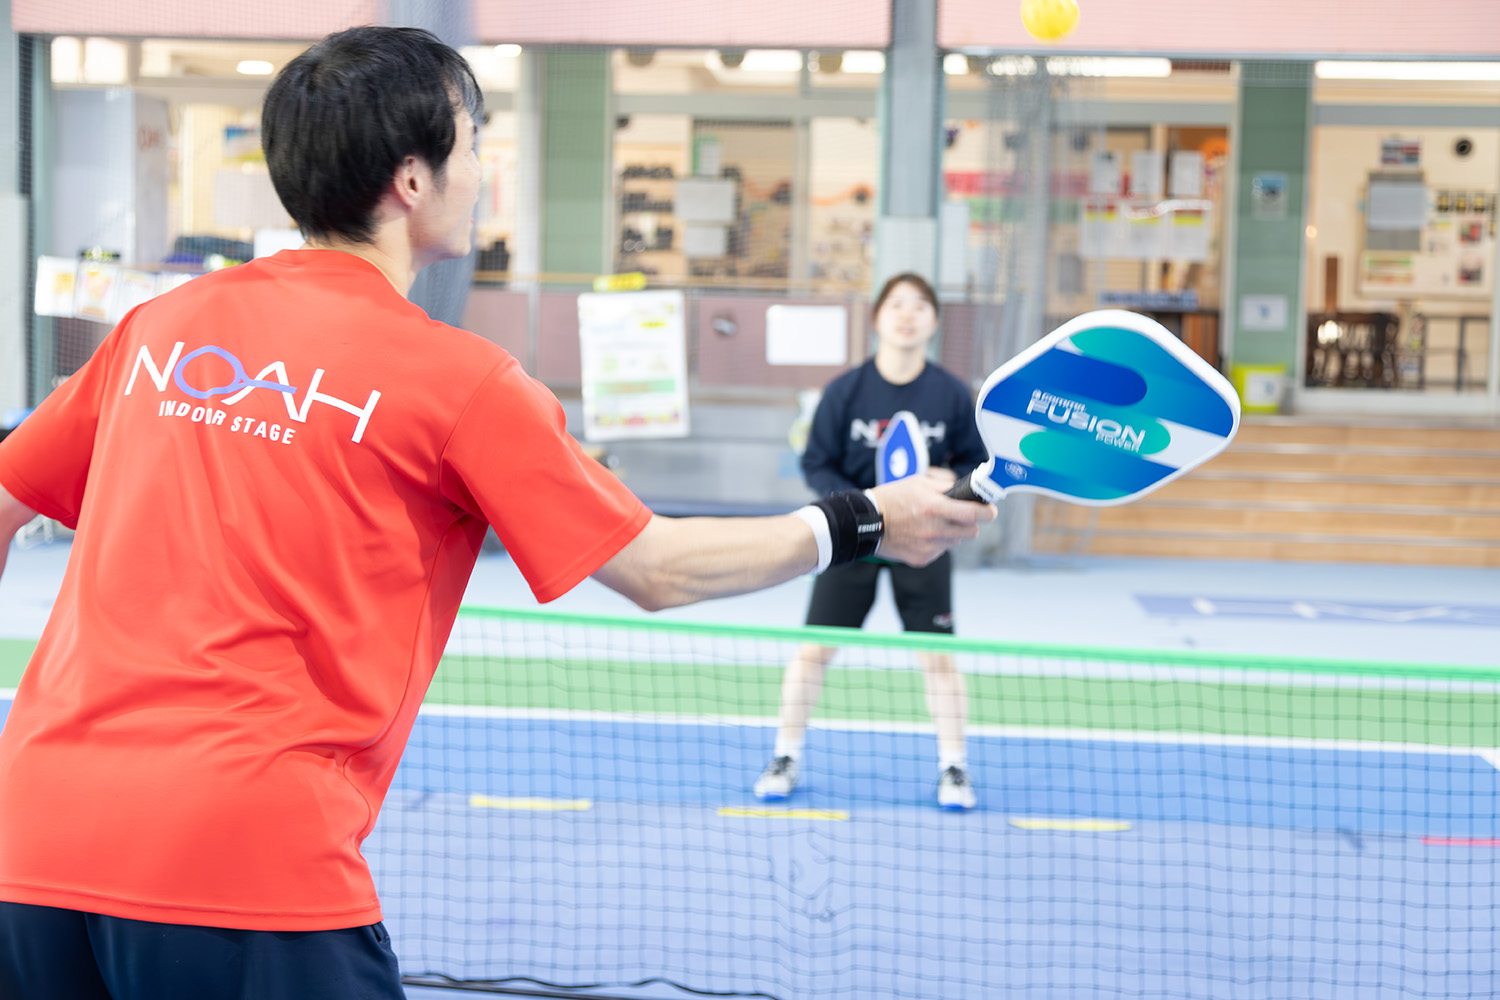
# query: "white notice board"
(633, 347)
(807, 335)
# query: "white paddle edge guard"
(985, 487)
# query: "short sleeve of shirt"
(511, 461)
(44, 463)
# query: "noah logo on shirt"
(239, 384)
(869, 431)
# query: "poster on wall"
(1096, 228)
(1145, 174)
(1141, 236)
(1268, 197)
(1186, 180)
(1397, 152)
(1447, 240)
(633, 349)
(1104, 173)
(1178, 229)
(1189, 231)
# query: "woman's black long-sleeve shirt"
(855, 409)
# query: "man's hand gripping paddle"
(902, 449)
(1105, 409)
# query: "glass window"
(1133, 208)
(843, 200)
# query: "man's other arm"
(676, 561)
(13, 515)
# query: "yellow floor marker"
(828, 814)
(478, 801)
(1083, 825)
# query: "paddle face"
(1101, 411)
(902, 449)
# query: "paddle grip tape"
(847, 526)
(973, 487)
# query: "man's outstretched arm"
(675, 561)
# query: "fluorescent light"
(1013, 66)
(1081, 66)
(254, 67)
(509, 50)
(1341, 70)
(863, 61)
(1108, 66)
(104, 61)
(67, 59)
(772, 61)
(955, 64)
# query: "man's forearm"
(679, 561)
(675, 561)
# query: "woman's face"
(906, 318)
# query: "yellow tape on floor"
(828, 814)
(1085, 825)
(530, 805)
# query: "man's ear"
(410, 181)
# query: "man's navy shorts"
(48, 954)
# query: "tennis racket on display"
(902, 449)
(1103, 410)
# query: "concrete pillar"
(911, 140)
(1271, 148)
(577, 129)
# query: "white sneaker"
(955, 790)
(777, 780)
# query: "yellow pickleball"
(1049, 20)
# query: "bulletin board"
(1454, 256)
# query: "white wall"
(94, 182)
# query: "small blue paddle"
(902, 449)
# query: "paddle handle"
(963, 489)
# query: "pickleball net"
(574, 817)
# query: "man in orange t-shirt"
(280, 475)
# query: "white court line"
(1013, 732)
(1489, 756)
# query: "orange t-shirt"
(281, 475)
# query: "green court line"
(1441, 717)
(1220, 703)
(920, 642)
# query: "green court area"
(1254, 697)
(1279, 708)
(13, 656)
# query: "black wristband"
(854, 523)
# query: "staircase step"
(1478, 466)
(1343, 491)
(1287, 548)
(1249, 488)
(1295, 519)
(1292, 430)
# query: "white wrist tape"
(818, 522)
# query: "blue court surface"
(596, 852)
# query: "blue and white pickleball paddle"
(1105, 409)
(902, 449)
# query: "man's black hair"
(342, 116)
